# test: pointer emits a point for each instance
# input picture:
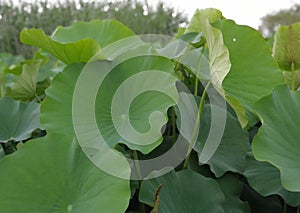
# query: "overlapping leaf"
(234, 140)
(184, 191)
(57, 108)
(232, 188)
(265, 179)
(18, 119)
(251, 64)
(25, 85)
(62, 182)
(219, 57)
(240, 62)
(277, 140)
(80, 42)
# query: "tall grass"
(47, 15)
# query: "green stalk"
(196, 86)
(3, 91)
(138, 170)
(38, 98)
(293, 76)
(194, 136)
(173, 126)
(137, 165)
(284, 207)
(196, 80)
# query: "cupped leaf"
(104, 32)
(196, 24)
(184, 191)
(18, 119)
(62, 182)
(79, 42)
(218, 55)
(234, 140)
(277, 141)
(251, 64)
(265, 179)
(286, 49)
(25, 85)
(71, 52)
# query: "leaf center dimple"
(70, 207)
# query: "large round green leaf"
(277, 140)
(79, 42)
(251, 64)
(240, 61)
(234, 140)
(56, 110)
(184, 191)
(18, 119)
(139, 79)
(54, 175)
(265, 179)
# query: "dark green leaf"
(265, 179)
(18, 119)
(231, 153)
(54, 175)
(277, 140)
(184, 191)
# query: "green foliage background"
(47, 15)
(271, 21)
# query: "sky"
(245, 12)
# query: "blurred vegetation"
(47, 15)
(270, 22)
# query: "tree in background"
(137, 15)
(270, 22)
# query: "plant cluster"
(50, 160)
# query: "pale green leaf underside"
(25, 84)
(218, 52)
(196, 23)
(253, 73)
(286, 49)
